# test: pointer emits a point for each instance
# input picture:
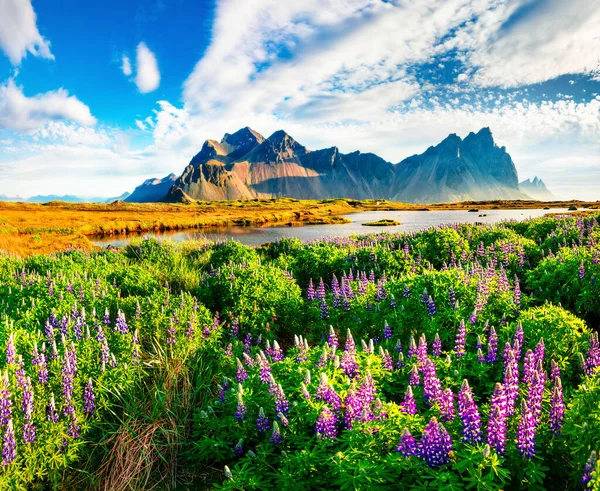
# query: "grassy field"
(28, 228)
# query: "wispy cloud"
(126, 66)
(25, 114)
(19, 33)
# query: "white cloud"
(25, 114)
(147, 77)
(463, 77)
(140, 124)
(19, 33)
(549, 39)
(126, 66)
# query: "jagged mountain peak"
(243, 136)
(536, 188)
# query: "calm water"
(411, 221)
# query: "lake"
(410, 221)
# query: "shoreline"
(32, 228)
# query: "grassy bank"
(28, 228)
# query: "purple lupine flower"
(5, 401)
(276, 352)
(496, 428)
(406, 291)
(445, 402)
(511, 379)
(398, 346)
(9, 449)
(435, 444)
(51, 412)
(412, 347)
(120, 323)
(557, 408)
(517, 292)
(590, 466)
(27, 410)
(326, 425)
(223, 388)
(322, 361)
(415, 377)
(89, 405)
(554, 371)
(431, 307)
(310, 291)
(241, 412)
(409, 406)
(264, 367)
(104, 354)
(10, 349)
(238, 450)
(492, 346)
(42, 369)
(407, 445)
(469, 415)
(528, 367)
(387, 330)
(241, 373)
(262, 422)
(400, 363)
(461, 336)
(332, 339)
(320, 295)
(432, 387)
(436, 347)
(281, 403)
(518, 341)
(592, 361)
(452, 298)
(349, 364)
(304, 390)
(171, 333)
(386, 360)
(353, 406)
(539, 351)
(581, 271)
(422, 348)
(324, 309)
(526, 431)
(276, 436)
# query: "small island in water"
(384, 222)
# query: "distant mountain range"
(537, 189)
(67, 198)
(245, 165)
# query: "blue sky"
(96, 97)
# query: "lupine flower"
(431, 307)
(320, 295)
(445, 402)
(5, 401)
(415, 377)
(324, 309)
(511, 379)
(436, 347)
(581, 271)
(432, 387)
(528, 367)
(496, 428)
(469, 415)
(89, 405)
(539, 352)
(492, 346)
(557, 408)
(387, 331)
(262, 422)
(386, 360)
(326, 425)
(353, 406)
(517, 292)
(276, 437)
(412, 347)
(171, 333)
(239, 448)
(400, 363)
(10, 349)
(435, 444)
(590, 466)
(593, 355)
(241, 411)
(120, 323)
(526, 431)
(310, 291)
(409, 406)
(264, 367)
(332, 339)
(461, 335)
(241, 373)
(407, 445)
(51, 412)
(554, 371)
(518, 341)
(9, 449)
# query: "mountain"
(246, 165)
(459, 170)
(537, 189)
(151, 190)
(123, 197)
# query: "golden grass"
(31, 228)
